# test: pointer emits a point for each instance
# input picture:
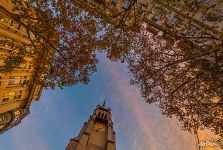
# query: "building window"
(126, 4)
(23, 79)
(0, 81)
(11, 80)
(17, 80)
(15, 95)
(17, 113)
(5, 98)
(156, 17)
(192, 6)
(174, 22)
(18, 95)
(142, 8)
(23, 66)
(6, 43)
(2, 42)
(9, 44)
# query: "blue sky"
(60, 114)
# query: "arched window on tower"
(102, 116)
(99, 114)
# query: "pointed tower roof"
(96, 133)
(104, 103)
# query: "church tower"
(97, 133)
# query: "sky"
(60, 114)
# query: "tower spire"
(97, 133)
(104, 103)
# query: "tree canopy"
(63, 39)
(186, 82)
(177, 63)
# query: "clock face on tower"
(99, 126)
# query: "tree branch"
(187, 59)
(13, 16)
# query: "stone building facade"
(200, 21)
(16, 92)
(97, 133)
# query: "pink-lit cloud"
(142, 124)
(27, 137)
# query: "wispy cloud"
(142, 123)
(30, 134)
(26, 135)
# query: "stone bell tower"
(97, 133)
